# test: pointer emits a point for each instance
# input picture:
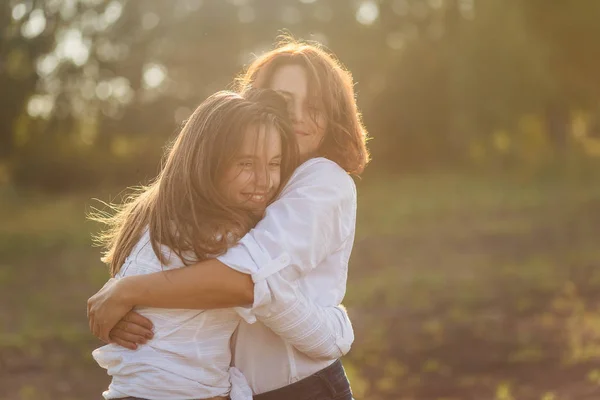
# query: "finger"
(124, 343)
(91, 323)
(97, 332)
(134, 329)
(127, 336)
(96, 329)
(137, 319)
(104, 334)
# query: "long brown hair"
(183, 208)
(345, 138)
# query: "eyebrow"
(309, 99)
(241, 156)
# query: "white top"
(301, 250)
(189, 356)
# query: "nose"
(297, 112)
(262, 179)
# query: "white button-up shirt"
(187, 358)
(297, 296)
(300, 252)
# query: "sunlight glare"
(68, 9)
(154, 75)
(40, 106)
(46, 64)
(113, 12)
(35, 25)
(103, 90)
(73, 47)
(19, 11)
(367, 12)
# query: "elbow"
(331, 351)
(326, 354)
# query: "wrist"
(126, 291)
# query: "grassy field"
(459, 288)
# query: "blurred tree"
(568, 29)
(483, 73)
(85, 81)
(25, 34)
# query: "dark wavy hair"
(345, 138)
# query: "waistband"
(329, 382)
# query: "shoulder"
(321, 172)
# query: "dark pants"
(330, 383)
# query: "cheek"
(320, 125)
(233, 183)
(275, 179)
(240, 182)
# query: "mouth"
(301, 133)
(258, 198)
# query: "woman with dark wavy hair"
(298, 253)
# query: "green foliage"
(484, 84)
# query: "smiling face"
(306, 112)
(253, 177)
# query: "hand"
(106, 308)
(132, 330)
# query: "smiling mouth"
(257, 198)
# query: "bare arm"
(206, 285)
(323, 332)
(318, 209)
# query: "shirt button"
(284, 259)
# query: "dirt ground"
(498, 304)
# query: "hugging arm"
(313, 218)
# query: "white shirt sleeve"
(320, 332)
(313, 218)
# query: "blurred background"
(476, 269)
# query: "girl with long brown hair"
(299, 250)
(219, 175)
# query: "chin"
(258, 212)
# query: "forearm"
(323, 332)
(317, 332)
(206, 285)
